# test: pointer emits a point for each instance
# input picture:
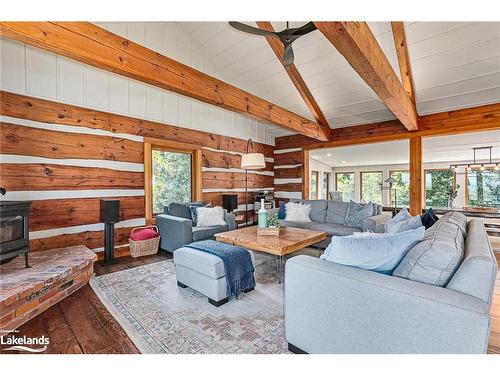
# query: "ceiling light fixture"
(486, 167)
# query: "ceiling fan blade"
(305, 29)
(250, 29)
(288, 55)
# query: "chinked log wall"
(65, 158)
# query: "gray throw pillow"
(435, 259)
(356, 213)
(457, 218)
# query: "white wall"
(321, 168)
(34, 72)
(386, 169)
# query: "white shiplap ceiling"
(455, 65)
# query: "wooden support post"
(305, 174)
(416, 171)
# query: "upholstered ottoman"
(203, 272)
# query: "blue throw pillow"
(282, 211)
(372, 251)
(194, 214)
(356, 213)
(413, 222)
(429, 218)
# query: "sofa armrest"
(376, 223)
(230, 220)
(174, 231)
(331, 308)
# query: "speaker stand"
(109, 244)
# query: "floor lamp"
(250, 161)
(391, 181)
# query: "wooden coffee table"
(289, 241)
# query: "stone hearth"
(55, 274)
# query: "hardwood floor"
(81, 324)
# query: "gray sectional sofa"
(332, 308)
(176, 227)
(329, 216)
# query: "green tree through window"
(371, 187)
(402, 187)
(171, 178)
(437, 187)
(344, 183)
(483, 189)
(313, 194)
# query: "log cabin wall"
(71, 134)
(289, 166)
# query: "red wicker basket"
(144, 247)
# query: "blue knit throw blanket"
(237, 264)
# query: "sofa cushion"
(436, 258)
(457, 218)
(356, 213)
(296, 224)
(404, 225)
(203, 233)
(372, 251)
(334, 229)
(336, 212)
(182, 209)
(318, 208)
(476, 275)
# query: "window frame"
(151, 144)
(361, 184)
(315, 173)
(439, 170)
(335, 185)
(327, 175)
(390, 191)
(466, 196)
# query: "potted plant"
(452, 193)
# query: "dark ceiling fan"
(287, 36)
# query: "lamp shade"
(391, 180)
(253, 161)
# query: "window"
(326, 184)
(313, 193)
(402, 187)
(371, 187)
(172, 173)
(344, 183)
(483, 189)
(439, 185)
(172, 178)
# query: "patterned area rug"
(160, 317)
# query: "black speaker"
(110, 211)
(230, 202)
(109, 215)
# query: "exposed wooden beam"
(305, 174)
(474, 119)
(90, 44)
(358, 45)
(416, 172)
(398, 32)
(296, 78)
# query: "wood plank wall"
(288, 168)
(65, 158)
